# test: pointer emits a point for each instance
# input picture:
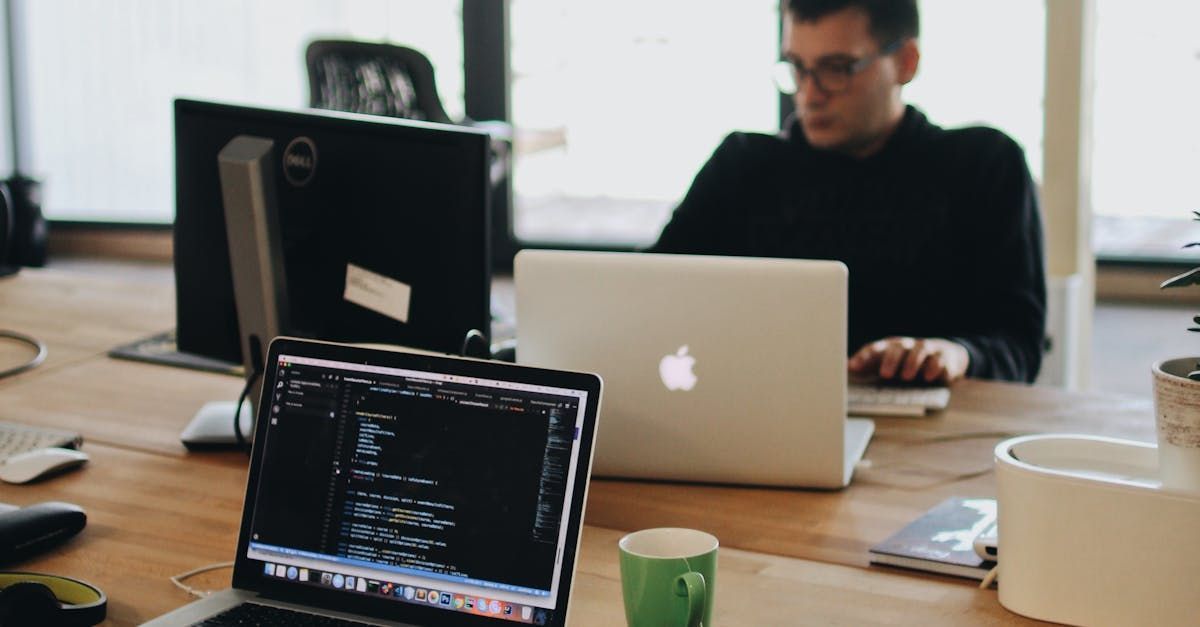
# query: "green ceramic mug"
(668, 577)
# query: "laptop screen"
(420, 486)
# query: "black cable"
(237, 410)
(32, 363)
(475, 344)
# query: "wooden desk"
(912, 470)
(156, 510)
(151, 516)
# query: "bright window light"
(102, 76)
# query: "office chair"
(389, 80)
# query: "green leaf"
(1196, 329)
(1196, 319)
(1194, 375)
(1191, 277)
(1191, 245)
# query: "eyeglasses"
(831, 77)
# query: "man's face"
(858, 120)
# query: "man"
(939, 228)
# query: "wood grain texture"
(789, 556)
(151, 516)
(78, 315)
(115, 401)
(914, 464)
(156, 245)
(755, 589)
(85, 311)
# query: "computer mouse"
(27, 531)
(25, 467)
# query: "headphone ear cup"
(6, 225)
(27, 603)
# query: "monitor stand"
(256, 258)
(212, 426)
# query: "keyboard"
(267, 616)
(887, 400)
(16, 438)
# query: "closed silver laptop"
(716, 369)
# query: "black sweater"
(940, 231)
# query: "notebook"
(718, 369)
(942, 540)
(397, 488)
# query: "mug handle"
(692, 586)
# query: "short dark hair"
(891, 20)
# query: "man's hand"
(911, 359)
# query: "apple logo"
(676, 370)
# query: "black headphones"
(35, 599)
(7, 223)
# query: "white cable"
(178, 579)
(990, 577)
(32, 363)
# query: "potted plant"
(1177, 406)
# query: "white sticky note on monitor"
(376, 292)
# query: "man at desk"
(939, 228)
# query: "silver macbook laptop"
(717, 369)
(406, 489)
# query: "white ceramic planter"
(1177, 415)
(1089, 537)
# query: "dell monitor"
(382, 227)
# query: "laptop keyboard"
(882, 400)
(267, 616)
(16, 439)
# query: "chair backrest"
(374, 78)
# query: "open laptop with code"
(397, 488)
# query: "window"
(102, 76)
(617, 104)
(1147, 134)
(983, 62)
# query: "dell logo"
(300, 161)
